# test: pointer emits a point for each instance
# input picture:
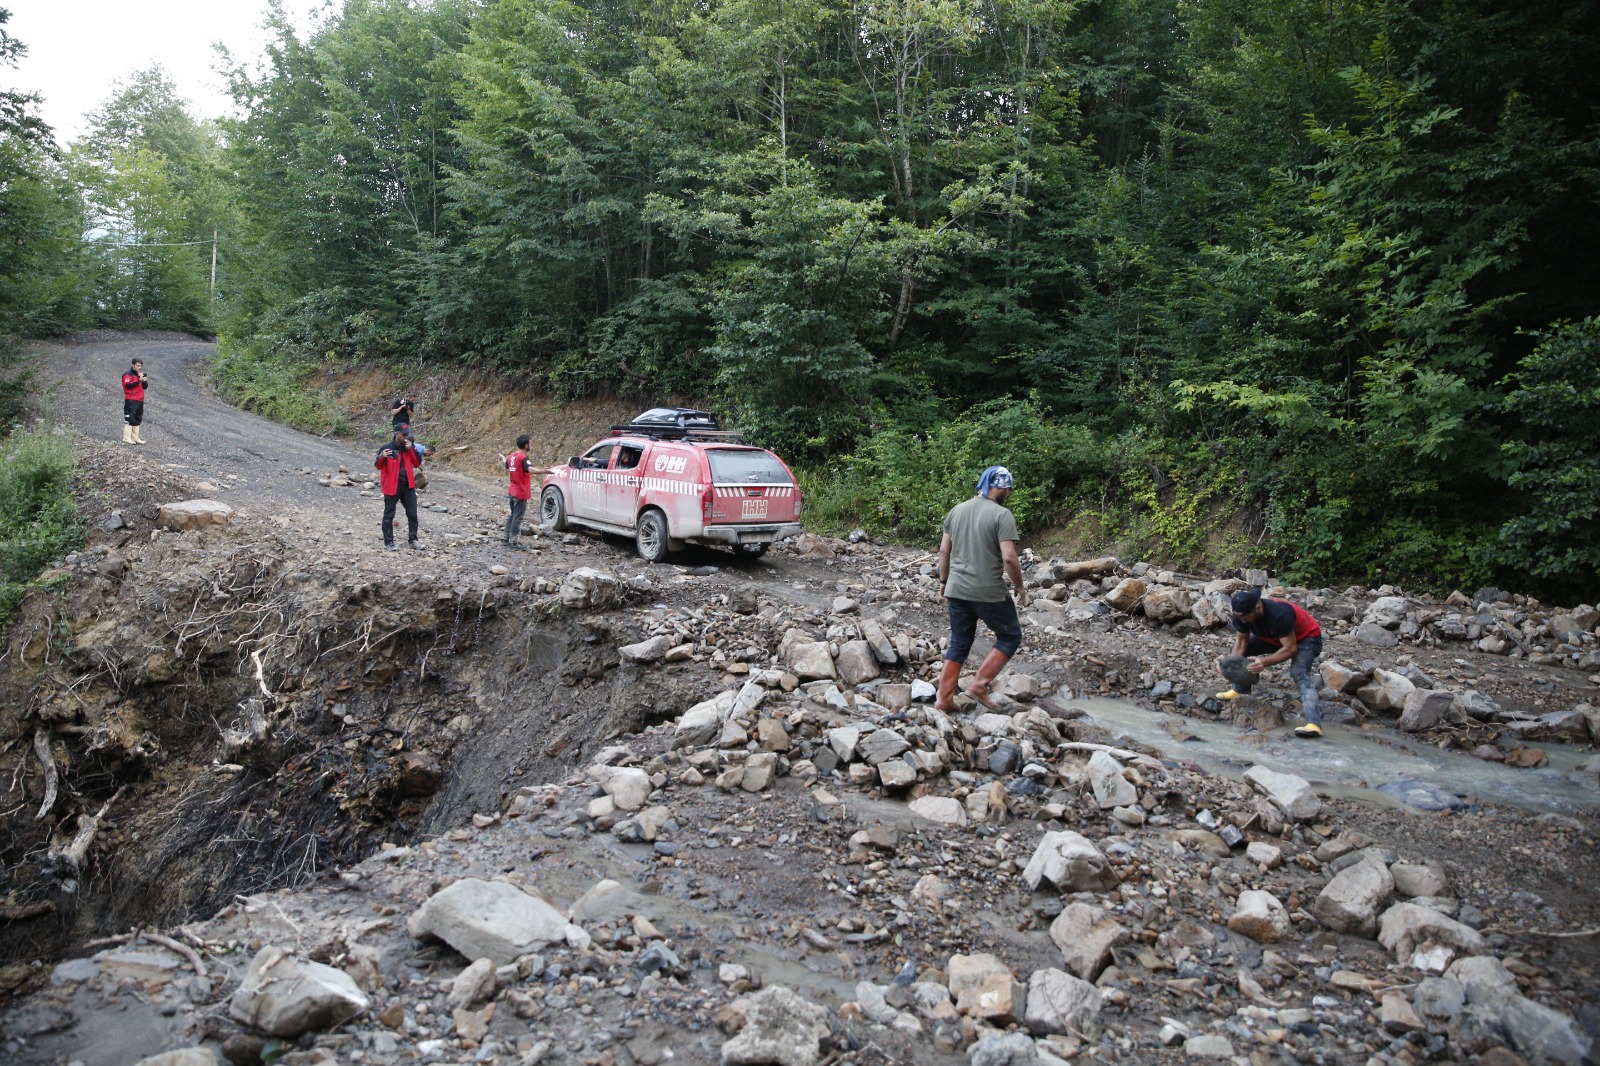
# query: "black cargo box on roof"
(670, 422)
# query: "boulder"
(780, 1028)
(1070, 862)
(1374, 636)
(1424, 709)
(881, 745)
(1005, 1049)
(968, 975)
(1290, 794)
(284, 996)
(1210, 611)
(759, 770)
(812, 661)
(702, 723)
(629, 787)
(1069, 572)
(856, 664)
(1483, 978)
(1387, 691)
(1351, 901)
(588, 587)
(1406, 927)
(1385, 611)
(882, 647)
(1565, 628)
(1419, 879)
(1126, 594)
(476, 983)
(1060, 1003)
(1086, 934)
(944, 810)
(1167, 605)
(1111, 789)
(489, 920)
(1260, 916)
(1342, 679)
(646, 651)
(193, 514)
(1474, 704)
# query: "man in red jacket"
(133, 386)
(519, 492)
(397, 465)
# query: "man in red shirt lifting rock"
(1271, 632)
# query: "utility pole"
(213, 262)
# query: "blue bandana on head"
(994, 477)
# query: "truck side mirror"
(574, 461)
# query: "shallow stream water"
(1354, 762)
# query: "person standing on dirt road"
(1270, 632)
(134, 382)
(519, 492)
(401, 412)
(397, 465)
(977, 552)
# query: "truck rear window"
(749, 467)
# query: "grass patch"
(39, 521)
(274, 384)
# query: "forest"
(1303, 284)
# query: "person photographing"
(134, 382)
(1268, 632)
(397, 464)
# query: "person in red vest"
(134, 383)
(1269, 632)
(397, 465)
(519, 492)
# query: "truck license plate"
(753, 509)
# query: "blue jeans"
(514, 520)
(1000, 616)
(1305, 678)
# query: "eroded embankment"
(194, 715)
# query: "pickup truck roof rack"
(678, 423)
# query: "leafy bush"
(272, 383)
(38, 518)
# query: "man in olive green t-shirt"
(976, 554)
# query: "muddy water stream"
(1354, 762)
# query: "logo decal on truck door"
(671, 464)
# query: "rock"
(759, 770)
(1019, 686)
(489, 920)
(588, 587)
(896, 774)
(1341, 678)
(1060, 1003)
(1260, 916)
(844, 605)
(1421, 795)
(1290, 794)
(1350, 902)
(881, 745)
(1475, 705)
(894, 698)
(189, 1056)
(1541, 1035)
(284, 996)
(1126, 594)
(1587, 775)
(1167, 605)
(811, 661)
(1070, 862)
(475, 984)
(780, 1028)
(605, 899)
(646, 651)
(1208, 1046)
(1385, 611)
(1111, 789)
(1210, 611)
(1565, 628)
(1011, 1049)
(1419, 879)
(882, 647)
(969, 975)
(1482, 978)
(856, 664)
(1424, 708)
(702, 723)
(1406, 927)
(1439, 999)
(944, 810)
(193, 514)
(1086, 934)
(629, 787)
(1387, 691)
(1263, 854)
(1396, 1016)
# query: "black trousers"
(133, 412)
(407, 496)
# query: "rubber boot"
(138, 438)
(948, 677)
(127, 434)
(988, 670)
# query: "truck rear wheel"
(653, 538)
(553, 509)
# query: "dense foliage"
(1308, 284)
(39, 521)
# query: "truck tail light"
(707, 501)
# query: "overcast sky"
(79, 49)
